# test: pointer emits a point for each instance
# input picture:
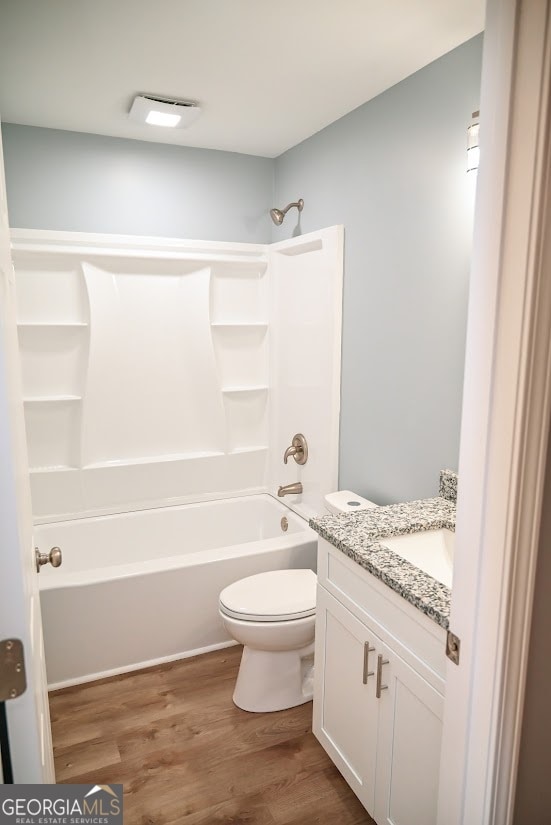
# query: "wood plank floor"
(185, 754)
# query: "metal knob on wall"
(298, 449)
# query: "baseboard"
(94, 677)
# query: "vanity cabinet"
(408, 745)
(378, 702)
(345, 711)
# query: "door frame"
(28, 720)
(504, 431)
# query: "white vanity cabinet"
(386, 741)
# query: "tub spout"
(290, 489)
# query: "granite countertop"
(361, 536)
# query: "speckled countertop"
(361, 536)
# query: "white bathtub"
(137, 589)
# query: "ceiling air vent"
(164, 111)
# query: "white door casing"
(505, 421)
(28, 715)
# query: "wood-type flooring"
(185, 754)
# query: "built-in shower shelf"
(51, 324)
(156, 459)
(46, 399)
(255, 388)
(299, 249)
(239, 324)
(54, 468)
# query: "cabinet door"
(345, 709)
(410, 733)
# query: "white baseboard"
(94, 677)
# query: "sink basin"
(430, 550)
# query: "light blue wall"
(393, 172)
(89, 183)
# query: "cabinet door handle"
(380, 687)
(367, 650)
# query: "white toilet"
(273, 616)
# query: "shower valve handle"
(298, 449)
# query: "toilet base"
(274, 680)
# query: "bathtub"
(141, 588)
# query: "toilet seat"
(277, 596)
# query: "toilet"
(273, 616)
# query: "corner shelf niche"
(53, 355)
(241, 349)
(238, 296)
(53, 358)
(246, 419)
(53, 426)
(53, 331)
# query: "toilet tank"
(345, 501)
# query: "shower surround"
(159, 373)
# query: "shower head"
(277, 215)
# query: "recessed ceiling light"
(163, 111)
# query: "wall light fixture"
(473, 148)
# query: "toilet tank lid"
(345, 501)
(276, 593)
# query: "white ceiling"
(268, 74)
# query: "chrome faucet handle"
(298, 449)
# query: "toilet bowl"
(273, 616)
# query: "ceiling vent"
(164, 111)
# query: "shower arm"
(299, 205)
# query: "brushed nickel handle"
(367, 673)
(298, 449)
(380, 687)
(54, 557)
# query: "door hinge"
(453, 646)
(13, 681)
